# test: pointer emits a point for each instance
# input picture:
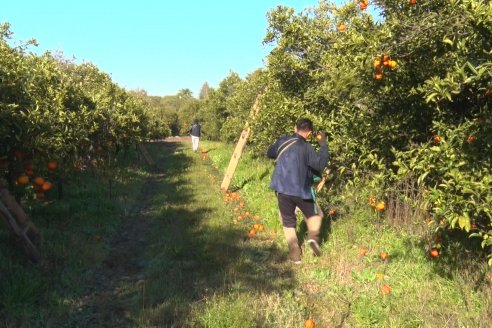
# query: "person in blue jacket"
(292, 179)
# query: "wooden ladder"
(20, 225)
(238, 151)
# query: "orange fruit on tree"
(379, 275)
(261, 227)
(434, 252)
(235, 209)
(392, 64)
(385, 289)
(383, 255)
(470, 139)
(22, 180)
(332, 212)
(437, 138)
(377, 63)
(378, 76)
(252, 232)
(309, 323)
(39, 181)
(239, 217)
(363, 4)
(47, 186)
(52, 165)
(386, 58)
(342, 27)
(241, 204)
(256, 226)
(247, 214)
(362, 251)
(372, 201)
(413, 2)
(234, 221)
(380, 206)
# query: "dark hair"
(304, 124)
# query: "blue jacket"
(293, 174)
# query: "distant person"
(195, 132)
(292, 179)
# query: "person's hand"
(321, 137)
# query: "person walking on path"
(295, 167)
(195, 132)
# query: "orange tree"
(53, 109)
(383, 89)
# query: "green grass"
(199, 269)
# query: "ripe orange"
(23, 180)
(362, 251)
(385, 289)
(380, 206)
(332, 212)
(261, 227)
(379, 275)
(239, 217)
(235, 209)
(247, 214)
(342, 27)
(52, 165)
(437, 139)
(413, 2)
(377, 63)
(241, 204)
(252, 233)
(39, 181)
(372, 201)
(383, 255)
(47, 186)
(392, 64)
(470, 139)
(309, 323)
(378, 76)
(434, 252)
(386, 58)
(363, 4)
(256, 226)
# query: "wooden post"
(236, 155)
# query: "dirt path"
(106, 303)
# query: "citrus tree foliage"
(404, 96)
(52, 108)
(213, 109)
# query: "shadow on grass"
(194, 255)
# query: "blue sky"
(159, 46)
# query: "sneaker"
(313, 242)
(295, 253)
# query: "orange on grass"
(23, 180)
(309, 323)
(385, 289)
(383, 255)
(39, 181)
(52, 165)
(46, 186)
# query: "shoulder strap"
(283, 147)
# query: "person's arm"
(318, 161)
(273, 151)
